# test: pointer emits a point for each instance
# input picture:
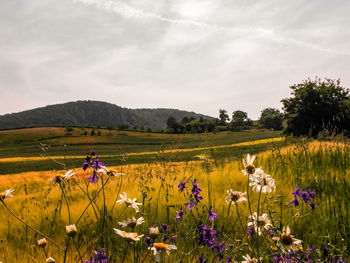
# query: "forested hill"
(92, 114)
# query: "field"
(153, 166)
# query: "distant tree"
(317, 106)
(92, 132)
(98, 133)
(240, 120)
(185, 120)
(223, 116)
(171, 123)
(271, 119)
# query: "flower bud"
(50, 260)
(153, 232)
(71, 230)
(42, 242)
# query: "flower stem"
(76, 247)
(35, 230)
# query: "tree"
(223, 116)
(271, 119)
(317, 106)
(171, 123)
(240, 120)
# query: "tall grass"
(323, 167)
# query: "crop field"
(290, 204)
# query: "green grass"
(25, 142)
(323, 167)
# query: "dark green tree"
(271, 119)
(223, 116)
(240, 120)
(317, 106)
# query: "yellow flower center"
(287, 239)
(160, 246)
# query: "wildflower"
(248, 259)
(235, 196)
(71, 230)
(262, 182)
(296, 192)
(313, 206)
(287, 241)
(220, 248)
(259, 222)
(173, 239)
(7, 193)
(50, 260)
(196, 191)
(182, 186)
(97, 164)
(165, 227)
(251, 230)
(148, 242)
(87, 162)
(109, 171)
(179, 214)
(94, 178)
(249, 168)
(159, 248)
(212, 215)
(93, 153)
(100, 257)
(42, 242)
(129, 202)
(295, 201)
(128, 236)
(132, 222)
(201, 259)
(229, 259)
(60, 178)
(206, 235)
(154, 232)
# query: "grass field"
(323, 167)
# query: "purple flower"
(271, 233)
(97, 164)
(148, 242)
(93, 179)
(212, 215)
(295, 201)
(191, 203)
(165, 238)
(179, 214)
(313, 206)
(195, 188)
(251, 230)
(173, 239)
(206, 235)
(296, 192)
(182, 186)
(229, 259)
(325, 251)
(220, 248)
(100, 257)
(87, 162)
(93, 153)
(165, 227)
(311, 193)
(201, 259)
(305, 196)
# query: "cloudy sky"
(198, 55)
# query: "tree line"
(316, 107)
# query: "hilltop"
(92, 114)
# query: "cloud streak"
(128, 11)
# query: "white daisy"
(109, 171)
(160, 248)
(132, 222)
(129, 202)
(128, 236)
(259, 223)
(262, 182)
(154, 232)
(7, 193)
(248, 165)
(287, 241)
(235, 197)
(248, 259)
(59, 178)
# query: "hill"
(92, 113)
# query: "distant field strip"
(39, 158)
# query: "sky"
(196, 55)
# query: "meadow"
(203, 222)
